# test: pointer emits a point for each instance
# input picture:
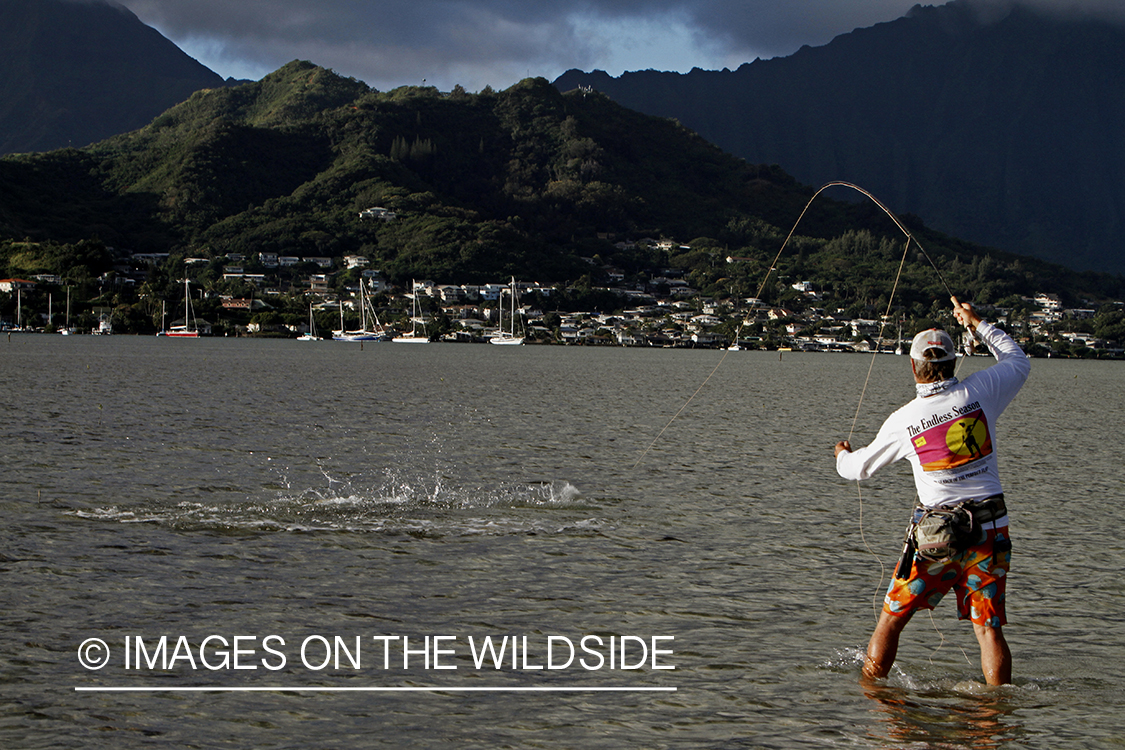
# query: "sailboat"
(507, 338)
(19, 310)
(188, 330)
(310, 335)
(737, 347)
(414, 337)
(66, 329)
(375, 333)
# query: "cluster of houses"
(665, 311)
(699, 322)
(679, 317)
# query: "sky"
(478, 43)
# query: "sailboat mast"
(362, 307)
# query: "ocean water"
(324, 534)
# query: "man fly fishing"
(958, 538)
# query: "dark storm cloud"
(400, 40)
(496, 42)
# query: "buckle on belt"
(988, 509)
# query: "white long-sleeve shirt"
(949, 438)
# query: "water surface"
(248, 487)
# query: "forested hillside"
(526, 182)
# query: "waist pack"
(940, 533)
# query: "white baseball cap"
(933, 339)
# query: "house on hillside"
(236, 303)
(450, 293)
(11, 285)
(1049, 302)
(257, 279)
(379, 213)
(374, 279)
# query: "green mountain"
(527, 182)
(521, 181)
(73, 72)
(998, 123)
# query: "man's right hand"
(843, 445)
(965, 314)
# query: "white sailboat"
(736, 347)
(508, 338)
(414, 337)
(19, 310)
(188, 330)
(66, 329)
(310, 335)
(375, 333)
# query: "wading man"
(959, 536)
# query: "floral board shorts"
(978, 574)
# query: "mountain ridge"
(74, 72)
(1001, 130)
(528, 182)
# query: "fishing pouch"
(940, 533)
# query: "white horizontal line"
(432, 689)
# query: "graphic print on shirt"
(954, 444)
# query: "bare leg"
(995, 657)
(883, 647)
